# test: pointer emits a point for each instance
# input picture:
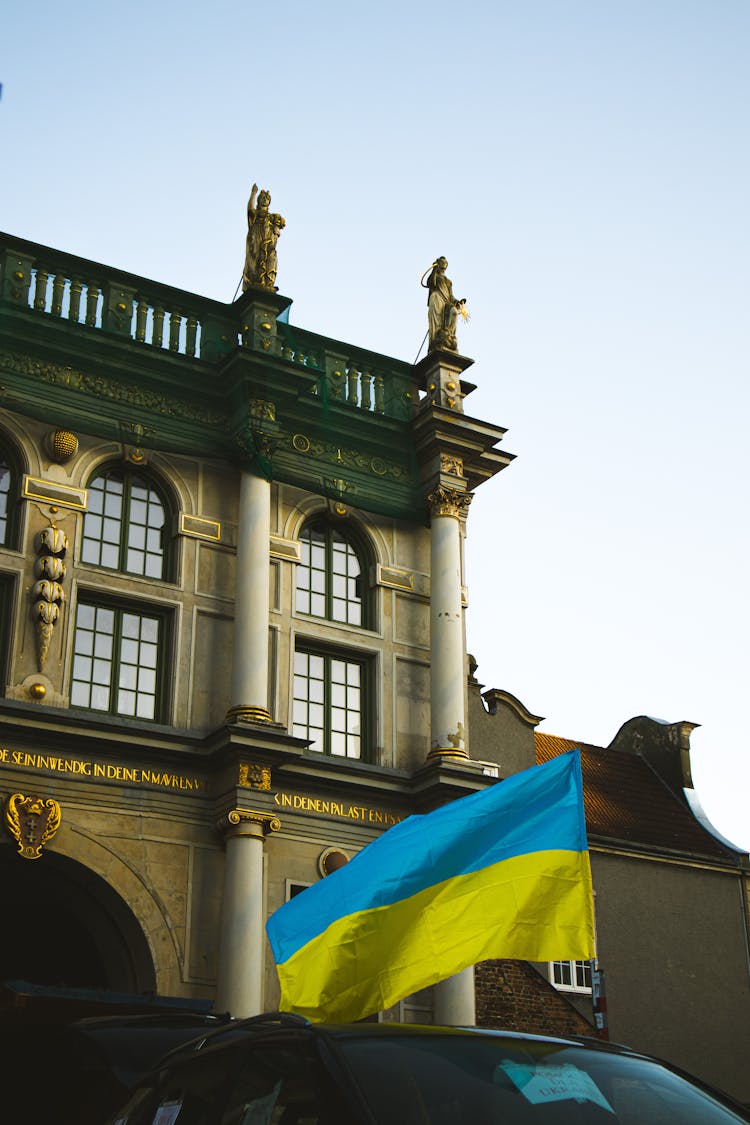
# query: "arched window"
(10, 475)
(125, 524)
(330, 575)
(6, 479)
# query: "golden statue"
(263, 230)
(443, 309)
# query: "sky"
(584, 166)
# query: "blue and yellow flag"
(501, 873)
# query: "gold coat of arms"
(32, 822)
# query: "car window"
(191, 1092)
(462, 1080)
(282, 1085)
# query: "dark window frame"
(333, 532)
(130, 478)
(366, 664)
(10, 519)
(8, 587)
(121, 606)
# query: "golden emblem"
(32, 822)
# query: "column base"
(441, 752)
(242, 714)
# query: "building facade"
(232, 602)
(671, 896)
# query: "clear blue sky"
(584, 166)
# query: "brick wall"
(513, 995)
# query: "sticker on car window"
(167, 1112)
(260, 1110)
(553, 1083)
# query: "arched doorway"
(65, 926)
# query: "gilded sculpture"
(263, 230)
(443, 309)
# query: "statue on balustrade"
(443, 309)
(263, 230)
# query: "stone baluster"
(157, 328)
(58, 288)
(175, 320)
(352, 384)
(366, 402)
(378, 386)
(92, 303)
(141, 315)
(191, 335)
(40, 289)
(74, 307)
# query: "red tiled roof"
(627, 802)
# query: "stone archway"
(63, 925)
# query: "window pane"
(126, 702)
(99, 698)
(338, 695)
(338, 743)
(317, 605)
(122, 527)
(110, 556)
(102, 632)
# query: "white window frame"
(576, 967)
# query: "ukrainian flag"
(501, 873)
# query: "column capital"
(449, 502)
(248, 822)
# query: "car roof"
(256, 1027)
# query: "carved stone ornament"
(452, 465)
(449, 502)
(32, 822)
(48, 594)
(253, 776)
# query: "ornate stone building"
(231, 597)
(231, 604)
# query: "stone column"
(454, 1000)
(251, 607)
(447, 672)
(239, 988)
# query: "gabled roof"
(627, 803)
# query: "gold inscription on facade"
(362, 813)
(109, 771)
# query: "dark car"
(281, 1070)
(77, 1073)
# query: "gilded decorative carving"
(449, 502)
(47, 592)
(261, 408)
(101, 387)
(61, 445)
(351, 458)
(253, 776)
(452, 465)
(32, 822)
(253, 818)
